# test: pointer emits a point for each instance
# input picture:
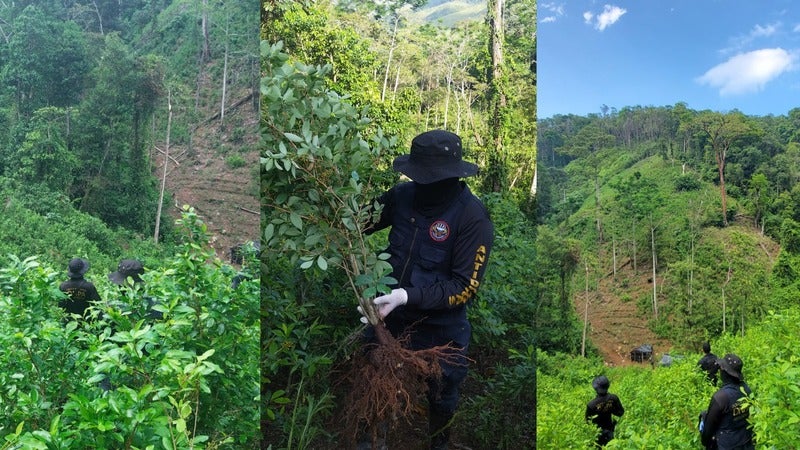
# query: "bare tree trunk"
(655, 281)
(633, 236)
(205, 54)
(598, 209)
(585, 310)
(614, 256)
(224, 72)
(99, 17)
(389, 61)
(459, 109)
(498, 99)
(397, 79)
(164, 174)
(447, 95)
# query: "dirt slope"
(616, 326)
(225, 198)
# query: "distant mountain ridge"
(450, 12)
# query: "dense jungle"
(667, 226)
(129, 131)
(344, 88)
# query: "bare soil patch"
(616, 326)
(225, 197)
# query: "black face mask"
(432, 199)
(727, 378)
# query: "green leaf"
(185, 411)
(293, 137)
(296, 221)
(269, 231)
(322, 263)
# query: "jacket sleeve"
(618, 409)
(92, 293)
(716, 409)
(470, 255)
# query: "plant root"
(387, 379)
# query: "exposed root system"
(386, 381)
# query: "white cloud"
(769, 30)
(555, 8)
(553, 11)
(605, 19)
(749, 72)
(741, 42)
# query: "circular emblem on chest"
(439, 231)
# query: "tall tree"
(109, 138)
(496, 174)
(722, 131)
(45, 62)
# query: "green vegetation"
(188, 380)
(698, 206)
(84, 88)
(662, 405)
(336, 109)
(89, 90)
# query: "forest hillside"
(118, 118)
(345, 87)
(672, 227)
(94, 98)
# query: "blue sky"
(710, 54)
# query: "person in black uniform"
(708, 363)
(79, 291)
(601, 408)
(127, 268)
(133, 269)
(439, 243)
(725, 424)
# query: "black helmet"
(601, 384)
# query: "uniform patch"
(439, 231)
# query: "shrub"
(126, 380)
(235, 161)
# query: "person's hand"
(363, 318)
(387, 303)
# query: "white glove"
(363, 318)
(387, 303)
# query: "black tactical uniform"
(708, 363)
(725, 426)
(439, 243)
(79, 291)
(601, 408)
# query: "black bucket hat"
(601, 384)
(127, 268)
(732, 365)
(435, 156)
(77, 267)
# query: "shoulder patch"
(439, 231)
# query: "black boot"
(439, 430)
